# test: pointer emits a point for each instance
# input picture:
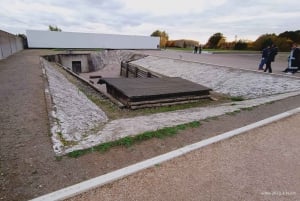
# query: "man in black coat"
(273, 50)
(294, 60)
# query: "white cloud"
(191, 19)
(169, 7)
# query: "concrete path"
(239, 61)
(256, 162)
(262, 164)
(23, 124)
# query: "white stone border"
(79, 188)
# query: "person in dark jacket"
(273, 50)
(264, 56)
(195, 49)
(293, 60)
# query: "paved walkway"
(261, 164)
(23, 125)
(240, 61)
(256, 162)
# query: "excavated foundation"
(129, 85)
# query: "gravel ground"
(231, 81)
(76, 116)
(28, 165)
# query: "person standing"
(200, 49)
(264, 56)
(195, 49)
(273, 50)
(293, 60)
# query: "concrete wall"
(9, 44)
(54, 39)
(66, 60)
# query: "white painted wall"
(9, 44)
(54, 39)
(66, 60)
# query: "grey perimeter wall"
(54, 39)
(9, 44)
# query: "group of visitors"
(197, 49)
(268, 56)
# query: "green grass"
(58, 158)
(248, 108)
(114, 112)
(220, 51)
(217, 51)
(77, 49)
(130, 140)
(233, 113)
(65, 142)
(181, 49)
(210, 118)
(237, 98)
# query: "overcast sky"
(188, 19)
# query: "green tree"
(283, 44)
(54, 28)
(164, 37)
(215, 40)
(291, 35)
(222, 43)
(241, 45)
(264, 41)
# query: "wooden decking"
(148, 92)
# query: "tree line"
(283, 41)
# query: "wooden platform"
(147, 92)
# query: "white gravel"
(75, 114)
(234, 82)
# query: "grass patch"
(248, 108)
(210, 118)
(130, 140)
(77, 49)
(233, 113)
(237, 98)
(189, 49)
(65, 142)
(271, 102)
(58, 158)
(220, 51)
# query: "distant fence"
(133, 71)
(9, 44)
